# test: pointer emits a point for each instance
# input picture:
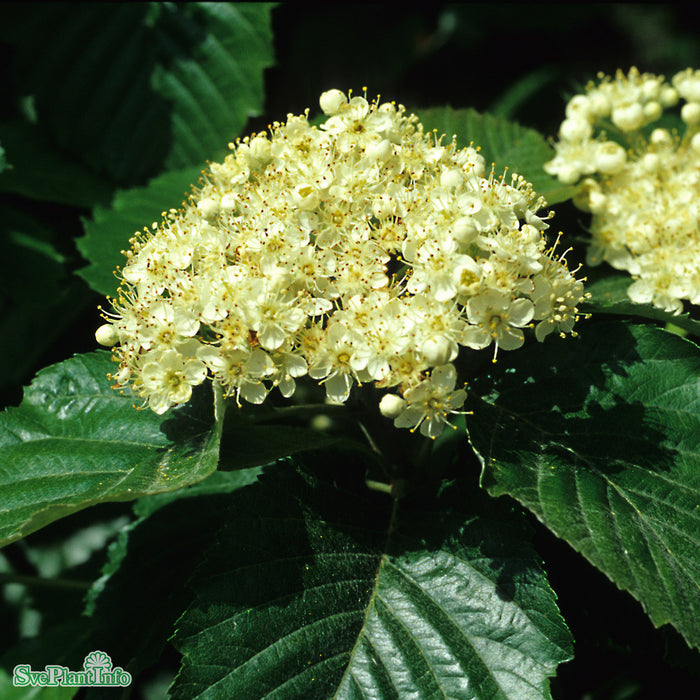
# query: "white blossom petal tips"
(363, 251)
(641, 185)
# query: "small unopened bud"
(628, 117)
(690, 113)
(610, 158)
(578, 107)
(695, 143)
(652, 111)
(106, 335)
(437, 351)
(660, 137)
(651, 162)
(391, 405)
(599, 105)
(465, 229)
(573, 129)
(332, 102)
(668, 96)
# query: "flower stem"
(378, 486)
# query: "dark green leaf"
(4, 165)
(246, 444)
(218, 482)
(64, 644)
(42, 171)
(524, 88)
(609, 296)
(33, 315)
(315, 589)
(9, 692)
(89, 69)
(600, 438)
(507, 144)
(131, 88)
(110, 229)
(162, 547)
(213, 76)
(74, 442)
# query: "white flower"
(365, 250)
(167, 378)
(496, 317)
(240, 371)
(167, 324)
(437, 267)
(642, 198)
(429, 404)
(288, 367)
(339, 358)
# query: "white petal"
(520, 312)
(475, 337)
(510, 338)
(338, 387)
(253, 392)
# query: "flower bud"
(668, 96)
(332, 101)
(578, 107)
(651, 162)
(652, 111)
(690, 113)
(437, 351)
(695, 143)
(391, 405)
(574, 129)
(465, 230)
(610, 158)
(660, 137)
(628, 117)
(599, 105)
(107, 335)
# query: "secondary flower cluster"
(362, 251)
(644, 192)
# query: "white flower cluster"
(644, 196)
(361, 251)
